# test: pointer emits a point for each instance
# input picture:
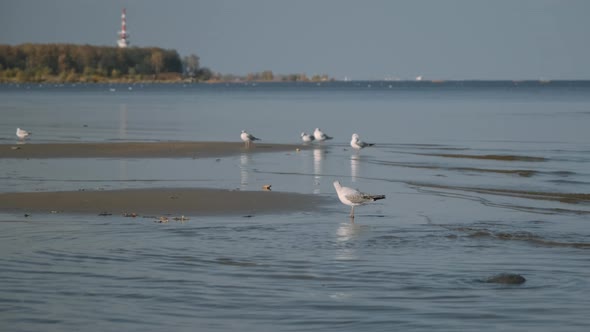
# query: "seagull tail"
(377, 197)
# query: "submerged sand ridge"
(183, 201)
(137, 149)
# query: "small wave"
(498, 157)
(519, 172)
(477, 233)
(232, 262)
(427, 146)
(569, 182)
(571, 198)
(562, 173)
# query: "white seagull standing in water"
(353, 197)
(319, 135)
(357, 144)
(307, 138)
(248, 138)
(21, 133)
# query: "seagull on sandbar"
(353, 197)
(319, 135)
(248, 138)
(307, 138)
(357, 144)
(21, 133)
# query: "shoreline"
(174, 149)
(160, 201)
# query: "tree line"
(269, 76)
(88, 63)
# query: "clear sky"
(358, 39)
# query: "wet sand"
(138, 149)
(182, 201)
(158, 201)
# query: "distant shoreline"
(244, 81)
(59, 63)
(83, 63)
(172, 78)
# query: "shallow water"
(414, 261)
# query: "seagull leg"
(352, 212)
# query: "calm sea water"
(417, 260)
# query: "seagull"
(248, 138)
(319, 135)
(353, 197)
(21, 133)
(307, 138)
(357, 144)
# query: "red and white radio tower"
(123, 40)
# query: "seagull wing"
(353, 195)
(357, 197)
(251, 137)
(364, 144)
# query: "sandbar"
(138, 149)
(182, 201)
(161, 201)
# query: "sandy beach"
(181, 201)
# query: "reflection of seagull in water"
(357, 144)
(319, 135)
(244, 161)
(307, 138)
(248, 138)
(317, 169)
(353, 197)
(354, 166)
(21, 133)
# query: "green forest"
(61, 63)
(87, 63)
